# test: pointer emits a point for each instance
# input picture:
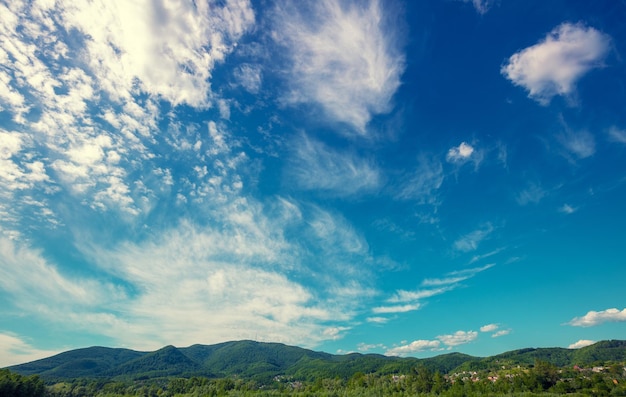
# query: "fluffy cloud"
(97, 94)
(489, 328)
(414, 347)
(581, 343)
(593, 318)
(554, 65)
(458, 338)
(451, 340)
(460, 154)
(170, 50)
(344, 57)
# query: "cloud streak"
(470, 241)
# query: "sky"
(407, 178)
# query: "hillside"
(262, 361)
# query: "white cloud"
(581, 343)
(169, 49)
(581, 144)
(335, 333)
(250, 77)
(364, 347)
(533, 194)
(481, 6)
(414, 347)
(14, 350)
(470, 272)
(422, 185)
(396, 309)
(411, 299)
(470, 241)
(554, 65)
(458, 338)
(567, 209)
(408, 296)
(500, 333)
(97, 95)
(617, 135)
(477, 258)
(377, 320)
(344, 57)
(489, 328)
(314, 166)
(433, 282)
(593, 318)
(460, 154)
(34, 282)
(206, 286)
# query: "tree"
(16, 385)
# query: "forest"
(249, 368)
(540, 378)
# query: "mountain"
(613, 350)
(87, 362)
(263, 361)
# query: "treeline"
(542, 379)
(16, 385)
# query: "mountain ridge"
(264, 360)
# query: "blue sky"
(407, 178)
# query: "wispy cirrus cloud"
(579, 144)
(424, 182)
(15, 350)
(315, 166)
(500, 333)
(593, 318)
(554, 65)
(481, 6)
(396, 308)
(403, 301)
(344, 57)
(532, 194)
(470, 241)
(567, 209)
(617, 135)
